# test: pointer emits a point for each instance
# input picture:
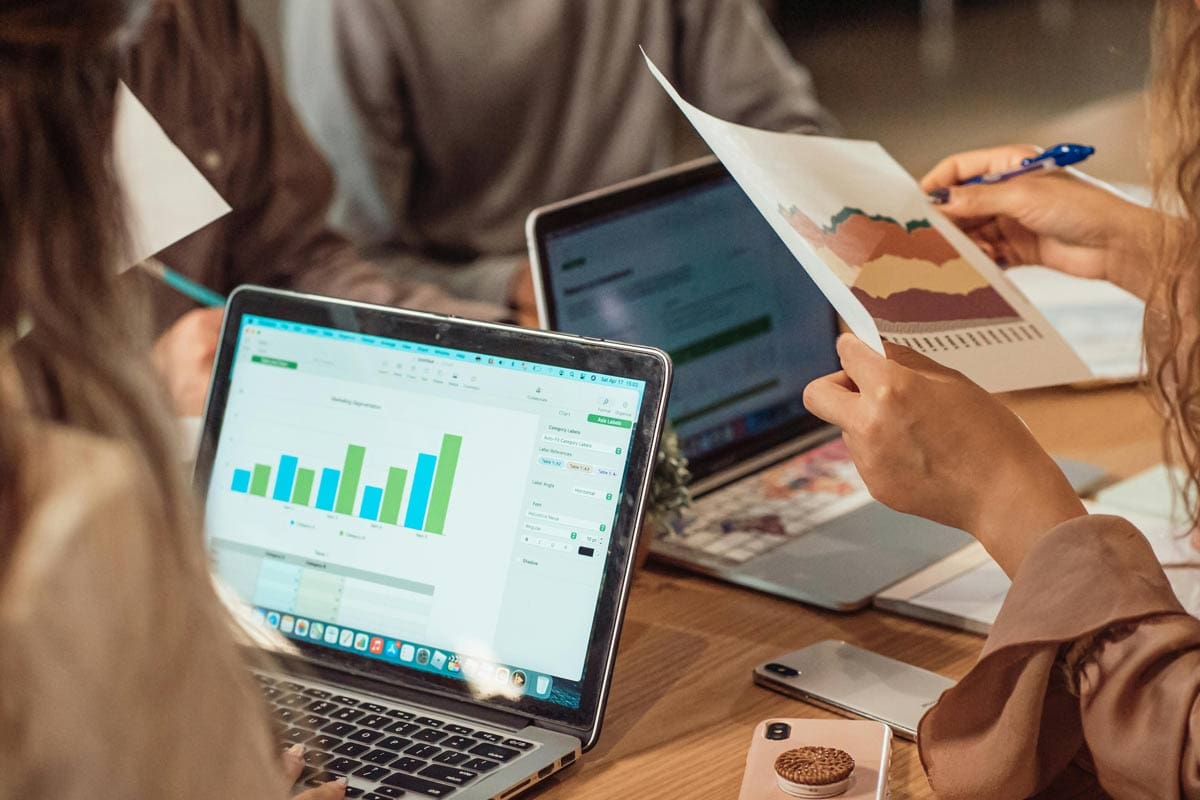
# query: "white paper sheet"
(975, 595)
(1148, 493)
(978, 593)
(166, 197)
(1101, 322)
(1149, 500)
(866, 234)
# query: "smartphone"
(868, 743)
(855, 682)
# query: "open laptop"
(440, 515)
(682, 260)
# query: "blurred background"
(930, 77)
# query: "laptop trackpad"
(848, 560)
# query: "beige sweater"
(447, 121)
(116, 680)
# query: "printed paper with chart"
(893, 267)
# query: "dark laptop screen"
(696, 271)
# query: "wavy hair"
(80, 355)
(1172, 326)
(77, 349)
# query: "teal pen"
(185, 286)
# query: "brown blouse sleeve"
(1013, 725)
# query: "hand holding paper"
(931, 443)
(1065, 220)
(892, 266)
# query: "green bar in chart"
(260, 479)
(351, 472)
(303, 490)
(393, 493)
(443, 481)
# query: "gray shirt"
(447, 121)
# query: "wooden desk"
(683, 704)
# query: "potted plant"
(669, 493)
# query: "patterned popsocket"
(814, 771)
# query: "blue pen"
(185, 286)
(1056, 157)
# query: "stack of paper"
(967, 589)
(1100, 321)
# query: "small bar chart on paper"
(428, 485)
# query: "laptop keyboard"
(755, 515)
(739, 522)
(384, 751)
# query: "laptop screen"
(696, 271)
(420, 505)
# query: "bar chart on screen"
(375, 478)
(337, 491)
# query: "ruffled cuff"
(1010, 725)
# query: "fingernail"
(296, 750)
(939, 197)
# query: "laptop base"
(841, 565)
(386, 747)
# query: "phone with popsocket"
(814, 758)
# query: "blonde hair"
(70, 334)
(1172, 326)
(82, 358)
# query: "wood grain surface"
(683, 705)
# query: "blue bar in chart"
(285, 478)
(241, 481)
(418, 501)
(426, 486)
(372, 497)
(327, 490)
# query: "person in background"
(1089, 684)
(199, 69)
(447, 121)
(119, 675)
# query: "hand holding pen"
(1056, 157)
(1063, 220)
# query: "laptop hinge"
(366, 683)
(559, 727)
(765, 459)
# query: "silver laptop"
(440, 516)
(681, 260)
